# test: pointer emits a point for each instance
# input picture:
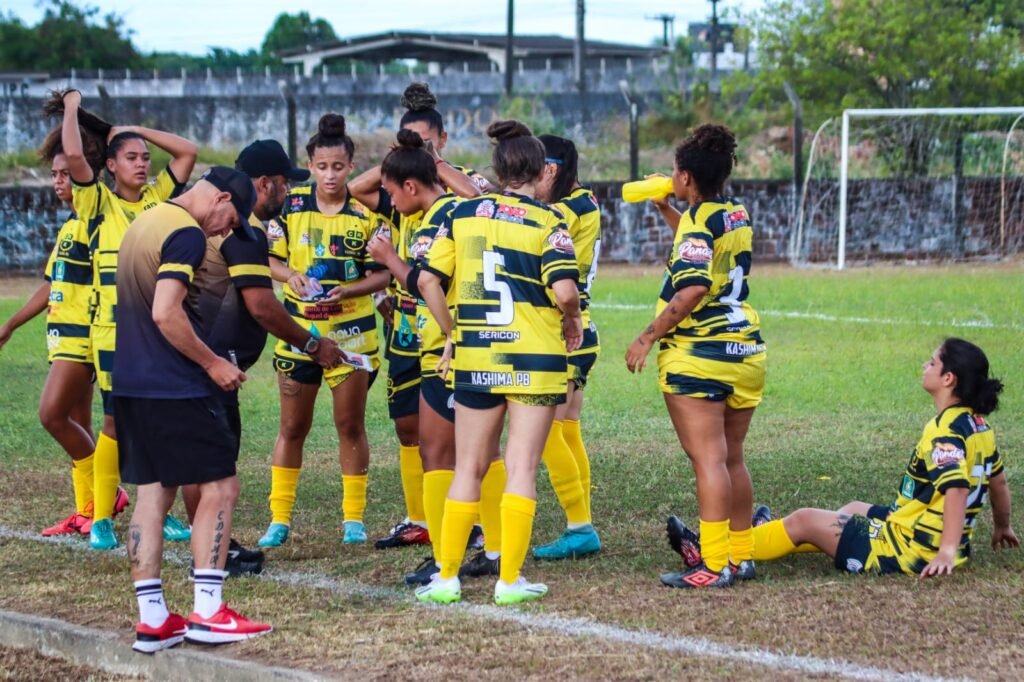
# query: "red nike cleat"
(223, 627)
(72, 525)
(121, 501)
(150, 640)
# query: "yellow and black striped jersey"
(957, 450)
(331, 248)
(583, 217)
(69, 272)
(431, 336)
(107, 217)
(713, 248)
(501, 253)
(403, 339)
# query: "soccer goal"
(912, 184)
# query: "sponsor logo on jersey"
(485, 209)
(695, 251)
(946, 454)
(498, 335)
(743, 349)
(420, 247)
(56, 297)
(441, 233)
(304, 239)
(358, 207)
(334, 249)
(736, 220)
(562, 242)
(354, 240)
(274, 231)
(510, 214)
(58, 271)
(297, 202)
(854, 566)
(65, 246)
(351, 271)
(491, 378)
(907, 489)
(320, 250)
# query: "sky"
(193, 26)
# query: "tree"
(76, 36)
(878, 53)
(296, 30)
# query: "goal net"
(912, 184)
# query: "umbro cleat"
(762, 515)
(440, 591)
(572, 544)
(479, 566)
(171, 633)
(519, 591)
(476, 538)
(276, 535)
(683, 541)
(744, 570)
(403, 535)
(223, 627)
(697, 577)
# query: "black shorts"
(580, 367)
(234, 416)
(174, 442)
(863, 547)
(485, 401)
(108, 403)
(403, 385)
(439, 397)
(879, 512)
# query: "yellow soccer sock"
(284, 481)
(772, 542)
(353, 501)
(82, 478)
(517, 525)
(565, 476)
(741, 545)
(714, 544)
(459, 518)
(435, 490)
(106, 477)
(411, 466)
(491, 490)
(574, 439)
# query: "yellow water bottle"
(656, 187)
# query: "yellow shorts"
(102, 340)
(68, 342)
(714, 370)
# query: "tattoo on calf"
(134, 540)
(218, 538)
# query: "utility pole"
(508, 50)
(713, 39)
(666, 20)
(579, 52)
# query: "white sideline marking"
(822, 317)
(572, 627)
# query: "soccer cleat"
(762, 515)
(573, 543)
(440, 591)
(241, 561)
(121, 501)
(424, 572)
(519, 591)
(355, 532)
(744, 570)
(247, 556)
(683, 541)
(479, 566)
(403, 535)
(171, 633)
(223, 627)
(72, 525)
(476, 538)
(101, 535)
(697, 577)
(175, 530)
(276, 535)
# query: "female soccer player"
(927, 530)
(564, 453)
(422, 117)
(318, 249)
(510, 262)
(65, 408)
(413, 188)
(108, 213)
(712, 358)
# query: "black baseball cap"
(243, 195)
(267, 157)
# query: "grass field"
(843, 409)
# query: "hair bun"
(418, 97)
(507, 130)
(410, 139)
(331, 125)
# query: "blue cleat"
(276, 535)
(175, 530)
(102, 536)
(762, 515)
(355, 532)
(573, 543)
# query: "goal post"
(925, 182)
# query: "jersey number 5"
(503, 316)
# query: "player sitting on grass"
(927, 530)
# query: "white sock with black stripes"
(208, 585)
(152, 609)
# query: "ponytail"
(969, 365)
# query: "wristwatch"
(312, 345)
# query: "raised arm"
(366, 188)
(71, 140)
(669, 213)
(183, 152)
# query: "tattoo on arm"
(650, 329)
(135, 539)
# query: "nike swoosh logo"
(231, 625)
(232, 554)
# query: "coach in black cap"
(173, 428)
(237, 303)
